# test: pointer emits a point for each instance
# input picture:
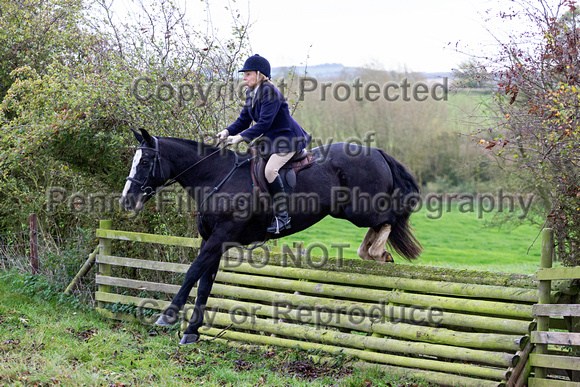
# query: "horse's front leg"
(209, 256)
(191, 334)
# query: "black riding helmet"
(257, 63)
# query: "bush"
(536, 127)
(66, 147)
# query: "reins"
(174, 180)
(149, 191)
(237, 164)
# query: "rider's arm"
(243, 121)
(270, 105)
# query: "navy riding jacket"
(269, 110)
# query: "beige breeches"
(276, 161)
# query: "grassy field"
(455, 239)
(47, 339)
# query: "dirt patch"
(308, 370)
(84, 335)
(242, 365)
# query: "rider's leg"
(281, 219)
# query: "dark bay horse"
(360, 184)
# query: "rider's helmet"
(257, 63)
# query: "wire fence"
(59, 259)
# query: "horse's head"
(146, 175)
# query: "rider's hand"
(223, 135)
(235, 139)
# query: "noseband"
(145, 187)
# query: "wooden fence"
(553, 360)
(450, 327)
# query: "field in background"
(456, 240)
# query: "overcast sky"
(416, 35)
(393, 33)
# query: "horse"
(361, 184)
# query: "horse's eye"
(144, 162)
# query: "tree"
(471, 74)
(34, 33)
(537, 127)
(65, 115)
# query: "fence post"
(83, 271)
(104, 249)
(34, 243)
(545, 287)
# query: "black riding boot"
(281, 219)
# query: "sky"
(414, 35)
(411, 35)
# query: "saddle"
(301, 160)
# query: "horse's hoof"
(387, 257)
(166, 320)
(189, 338)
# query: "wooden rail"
(435, 323)
(545, 362)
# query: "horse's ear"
(137, 135)
(147, 137)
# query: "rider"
(281, 136)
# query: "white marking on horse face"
(136, 160)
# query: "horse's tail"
(401, 238)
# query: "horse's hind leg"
(377, 250)
(363, 250)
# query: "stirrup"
(280, 225)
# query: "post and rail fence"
(557, 335)
(447, 326)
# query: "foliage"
(65, 147)
(471, 74)
(424, 135)
(34, 33)
(537, 130)
(37, 287)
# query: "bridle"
(144, 184)
(148, 191)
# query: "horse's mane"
(187, 141)
(207, 148)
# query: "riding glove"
(223, 135)
(235, 139)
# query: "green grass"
(47, 339)
(455, 239)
